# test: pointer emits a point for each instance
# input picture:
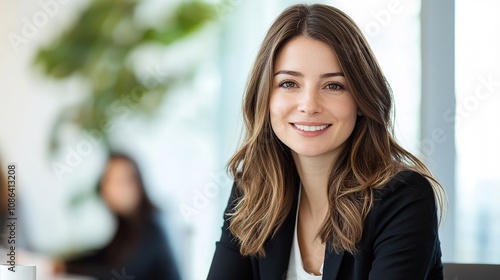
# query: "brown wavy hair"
(263, 168)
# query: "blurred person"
(139, 247)
(322, 189)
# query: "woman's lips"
(310, 129)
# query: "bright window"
(477, 131)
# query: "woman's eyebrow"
(298, 74)
(289, 72)
(329, 75)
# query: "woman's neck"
(314, 173)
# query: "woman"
(322, 189)
(139, 248)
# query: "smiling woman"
(313, 113)
(322, 189)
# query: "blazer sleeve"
(405, 231)
(227, 262)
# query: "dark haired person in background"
(139, 246)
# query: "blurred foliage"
(97, 48)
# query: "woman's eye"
(288, 84)
(334, 87)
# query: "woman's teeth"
(311, 128)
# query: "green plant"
(97, 49)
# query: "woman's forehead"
(305, 55)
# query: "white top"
(295, 267)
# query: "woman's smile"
(310, 130)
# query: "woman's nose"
(310, 102)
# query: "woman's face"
(312, 109)
(119, 186)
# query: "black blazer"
(399, 241)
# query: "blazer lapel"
(275, 264)
(332, 263)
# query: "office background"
(441, 60)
